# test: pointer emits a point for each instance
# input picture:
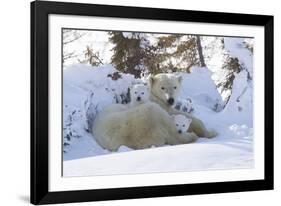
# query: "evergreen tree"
(177, 52)
(129, 52)
(232, 66)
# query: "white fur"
(182, 123)
(165, 86)
(137, 127)
(139, 94)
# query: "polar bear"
(138, 127)
(164, 90)
(182, 123)
(139, 94)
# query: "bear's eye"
(175, 87)
(183, 125)
(142, 93)
(162, 88)
(177, 125)
(135, 92)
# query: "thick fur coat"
(164, 90)
(138, 127)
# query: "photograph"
(133, 102)
(138, 102)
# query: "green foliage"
(174, 53)
(170, 53)
(233, 67)
(128, 54)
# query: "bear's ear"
(151, 80)
(180, 79)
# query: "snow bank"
(241, 101)
(82, 83)
(200, 86)
(191, 157)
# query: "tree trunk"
(199, 47)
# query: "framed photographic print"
(131, 102)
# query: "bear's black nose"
(180, 131)
(138, 98)
(171, 101)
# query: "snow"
(237, 49)
(199, 88)
(189, 157)
(241, 100)
(217, 49)
(231, 149)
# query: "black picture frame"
(40, 100)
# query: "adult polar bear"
(138, 127)
(164, 90)
(147, 124)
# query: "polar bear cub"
(184, 105)
(182, 123)
(164, 90)
(139, 94)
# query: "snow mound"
(190, 157)
(200, 86)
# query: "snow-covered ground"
(232, 148)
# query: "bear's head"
(165, 87)
(139, 94)
(182, 123)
